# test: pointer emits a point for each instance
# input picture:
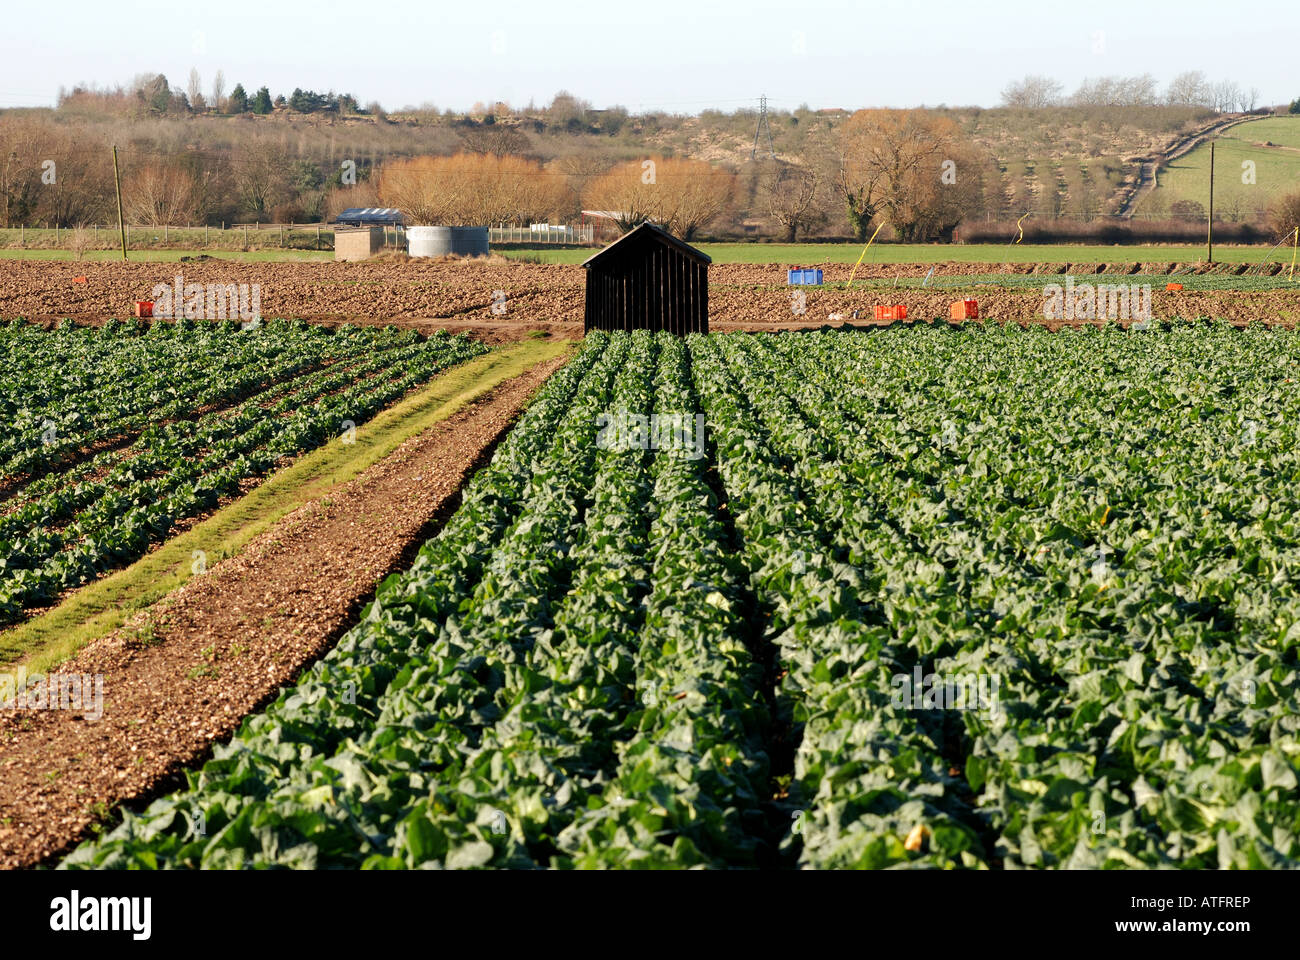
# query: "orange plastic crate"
(1173, 287)
(965, 310)
(895, 312)
(144, 308)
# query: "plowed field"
(503, 300)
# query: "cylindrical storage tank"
(441, 241)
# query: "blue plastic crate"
(804, 278)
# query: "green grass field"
(1277, 170)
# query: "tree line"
(152, 94)
(1191, 88)
(919, 173)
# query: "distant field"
(1277, 170)
(104, 238)
(794, 254)
(815, 253)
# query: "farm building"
(352, 243)
(648, 280)
(370, 217)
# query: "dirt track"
(504, 300)
(226, 642)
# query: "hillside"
(1272, 144)
(1060, 163)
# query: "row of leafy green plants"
(604, 657)
(68, 526)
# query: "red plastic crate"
(965, 310)
(144, 308)
(895, 312)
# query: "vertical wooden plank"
(652, 301)
(704, 298)
(674, 288)
(670, 288)
(695, 293)
(638, 291)
(684, 299)
(683, 293)
(684, 308)
(700, 295)
(642, 270)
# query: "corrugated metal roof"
(370, 215)
(658, 233)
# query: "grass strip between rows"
(98, 609)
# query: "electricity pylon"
(761, 129)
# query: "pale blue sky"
(679, 55)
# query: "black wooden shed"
(647, 279)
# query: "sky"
(673, 55)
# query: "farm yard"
(981, 597)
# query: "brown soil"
(547, 300)
(225, 643)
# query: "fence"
(295, 236)
(584, 233)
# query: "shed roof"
(650, 232)
(370, 215)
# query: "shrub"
(1284, 215)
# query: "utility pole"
(761, 129)
(1209, 227)
(117, 180)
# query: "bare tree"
(80, 241)
(856, 175)
(788, 192)
(923, 176)
(261, 177)
(1227, 95)
(566, 110)
(496, 139)
(579, 169)
(472, 189)
(219, 92)
(158, 194)
(682, 195)
(1135, 91)
(1034, 92)
(1190, 89)
(194, 90)
(1139, 91)
(1284, 215)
